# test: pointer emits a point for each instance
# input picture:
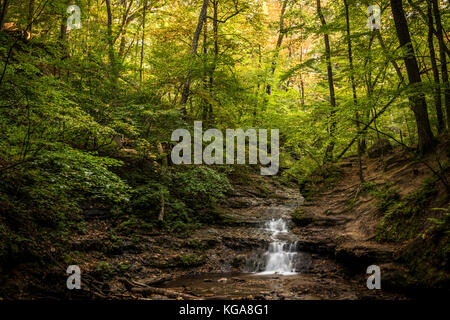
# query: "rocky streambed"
(267, 257)
(256, 252)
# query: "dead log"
(164, 292)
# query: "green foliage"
(190, 195)
(191, 260)
(81, 176)
(403, 219)
(441, 224)
(387, 196)
(200, 185)
(297, 214)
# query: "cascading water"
(280, 256)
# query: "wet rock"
(302, 262)
(241, 243)
(222, 280)
(240, 203)
(303, 219)
(158, 297)
(358, 255)
(284, 236)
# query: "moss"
(428, 259)
(324, 178)
(428, 251)
(299, 217)
(191, 260)
(297, 214)
(264, 192)
(201, 245)
(133, 224)
(403, 219)
(106, 271)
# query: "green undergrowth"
(320, 180)
(425, 231)
(403, 218)
(41, 203)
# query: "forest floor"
(335, 229)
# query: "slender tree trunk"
(123, 31)
(419, 107)
(164, 166)
(216, 53)
(434, 67)
(442, 56)
(302, 85)
(112, 59)
(62, 43)
(205, 71)
(332, 128)
(3, 12)
(141, 69)
(194, 46)
(281, 33)
(352, 79)
(30, 16)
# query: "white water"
(280, 254)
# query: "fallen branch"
(367, 125)
(164, 292)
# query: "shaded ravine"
(279, 268)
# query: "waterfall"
(280, 255)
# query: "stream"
(280, 257)
(271, 263)
(264, 273)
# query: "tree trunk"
(329, 151)
(352, 79)
(198, 30)
(434, 67)
(206, 105)
(216, 52)
(281, 33)
(164, 165)
(302, 85)
(30, 16)
(141, 70)
(442, 56)
(419, 107)
(3, 13)
(112, 59)
(123, 28)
